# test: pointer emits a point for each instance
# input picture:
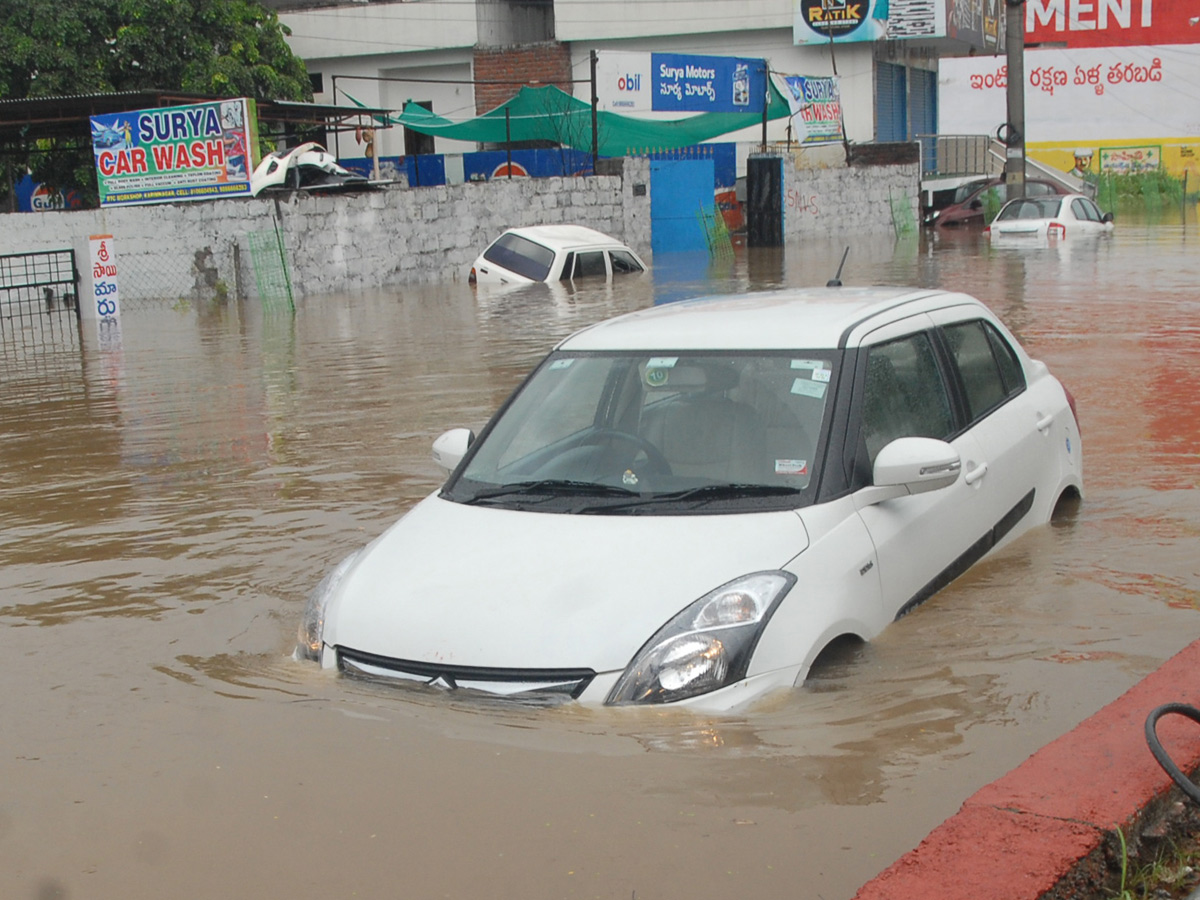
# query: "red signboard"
(1111, 23)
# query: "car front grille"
(508, 682)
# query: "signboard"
(674, 82)
(1111, 23)
(846, 21)
(816, 106)
(197, 152)
(1096, 94)
(978, 23)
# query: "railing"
(950, 155)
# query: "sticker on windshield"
(808, 363)
(821, 374)
(791, 467)
(658, 370)
(561, 364)
(807, 388)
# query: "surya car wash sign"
(197, 152)
(674, 82)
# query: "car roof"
(566, 237)
(796, 318)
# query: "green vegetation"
(1149, 192)
(225, 48)
(1172, 872)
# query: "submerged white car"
(687, 504)
(553, 253)
(1053, 218)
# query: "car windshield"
(664, 432)
(965, 191)
(520, 255)
(1031, 208)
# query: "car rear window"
(1031, 208)
(520, 255)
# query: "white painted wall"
(376, 29)
(602, 20)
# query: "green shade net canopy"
(551, 114)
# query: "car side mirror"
(910, 465)
(1107, 217)
(976, 204)
(451, 447)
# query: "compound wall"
(399, 235)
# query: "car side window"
(623, 262)
(988, 366)
(1082, 213)
(904, 394)
(590, 263)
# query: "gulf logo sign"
(510, 170)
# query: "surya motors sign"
(196, 152)
(674, 82)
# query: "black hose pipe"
(1164, 759)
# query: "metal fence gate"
(39, 303)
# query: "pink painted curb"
(1041, 830)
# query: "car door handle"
(1045, 422)
(973, 475)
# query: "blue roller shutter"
(891, 106)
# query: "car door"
(922, 541)
(1015, 417)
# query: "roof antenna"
(836, 280)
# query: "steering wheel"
(657, 464)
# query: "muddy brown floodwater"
(167, 505)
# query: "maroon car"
(967, 204)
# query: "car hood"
(480, 586)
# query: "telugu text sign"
(1090, 94)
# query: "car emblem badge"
(629, 477)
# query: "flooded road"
(166, 507)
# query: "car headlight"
(705, 647)
(309, 634)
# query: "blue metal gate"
(681, 194)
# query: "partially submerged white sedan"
(689, 503)
(547, 253)
(1045, 219)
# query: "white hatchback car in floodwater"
(687, 504)
(553, 253)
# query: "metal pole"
(1014, 154)
(595, 107)
(337, 150)
(766, 104)
(508, 138)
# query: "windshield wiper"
(703, 494)
(548, 488)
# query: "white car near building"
(687, 504)
(1053, 218)
(553, 253)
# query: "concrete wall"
(400, 235)
(840, 199)
(395, 235)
